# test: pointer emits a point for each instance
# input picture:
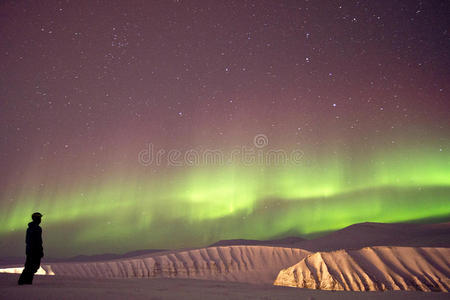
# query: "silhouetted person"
(34, 249)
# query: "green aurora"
(360, 88)
(197, 206)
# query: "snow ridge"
(253, 264)
(372, 269)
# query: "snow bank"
(253, 264)
(372, 269)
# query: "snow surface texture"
(251, 264)
(67, 288)
(367, 269)
(372, 269)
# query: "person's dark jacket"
(34, 240)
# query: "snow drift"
(252, 264)
(372, 269)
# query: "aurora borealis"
(358, 88)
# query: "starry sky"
(359, 90)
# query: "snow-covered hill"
(372, 269)
(253, 264)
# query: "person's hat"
(36, 215)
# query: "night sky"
(359, 90)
